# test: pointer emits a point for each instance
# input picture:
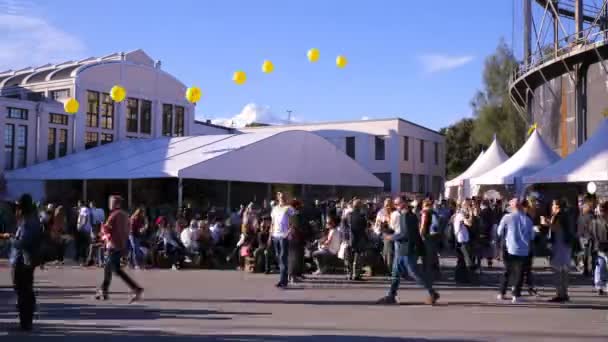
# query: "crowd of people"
(298, 238)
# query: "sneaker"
(432, 299)
(174, 268)
(388, 300)
(517, 300)
(558, 299)
(501, 297)
(100, 295)
(280, 285)
(136, 297)
(317, 273)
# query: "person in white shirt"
(217, 231)
(280, 229)
(83, 233)
(462, 222)
(329, 247)
(190, 237)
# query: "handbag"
(342, 250)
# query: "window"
(92, 109)
(436, 153)
(167, 119)
(385, 177)
(91, 139)
(21, 142)
(406, 148)
(106, 138)
(63, 142)
(36, 96)
(437, 185)
(107, 112)
(60, 94)
(407, 182)
(350, 147)
(145, 121)
(132, 113)
(422, 151)
(9, 146)
(422, 184)
(58, 119)
(52, 144)
(380, 150)
(179, 121)
(17, 113)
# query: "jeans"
(403, 266)
(527, 271)
(514, 268)
(388, 254)
(135, 256)
(262, 258)
(586, 255)
(83, 239)
(354, 263)
(431, 258)
(601, 271)
(464, 263)
(23, 282)
(113, 266)
(561, 281)
(281, 246)
(321, 258)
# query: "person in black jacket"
(407, 238)
(357, 221)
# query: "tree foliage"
(461, 150)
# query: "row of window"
(407, 183)
(92, 139)
(55, 95)
(57, 143)
(15, 146)
(380, 149)
(173, 127)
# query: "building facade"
(36, 128)
(406, 157)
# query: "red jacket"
(116, 230)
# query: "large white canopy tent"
(290, 157)
(532, 157)
(460, 186)
(589, 163)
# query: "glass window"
(436, 153)
(437, 185)
(52, 144)
(422, 151)
(350, 147)
(91, 139)
(132, 114)
(422, 184)
(106, 138)
(179, 121)
(36, 96)
(380, 148)
(406, 148)
(146, 117)
(58, 119)
(167, 119)
(9, 146)
(60, 94)
(407, 182)
(107, 112)
(17, 113)
(63, 142)
(21, 143)
(92, 109)
(385, 177)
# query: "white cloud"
(27, 40)
(433, 63)
(365, 118)
(251, 113)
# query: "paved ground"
(235, 306)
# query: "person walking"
(431, 236)
(281, 228)
(406, 238)
(116, 236)
(517, 230)
(599, 233)
(84, 229)
(357, 221)
(562, 238)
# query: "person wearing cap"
(517, 230)
(116, 235)
(25, 257)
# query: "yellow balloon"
(267, 67)
(118, 93)
(239, 77)
(193, 94)
(313, 55)
(341, 61)
(71, 106)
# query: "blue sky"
(421, 60)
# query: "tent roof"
(491, 158)
(532, 157)
(588, 163)
(291, 157)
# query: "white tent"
(588, 163)
(290, 157)
(491, 158)
(532, 157)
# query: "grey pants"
(561, 281)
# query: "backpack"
(435, 227)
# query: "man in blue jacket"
(406, 237)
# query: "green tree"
(461, 148)
(492, 107)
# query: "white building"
(36, 128)
(405, 156)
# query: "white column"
(180, 192)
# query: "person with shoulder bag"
(599, 233)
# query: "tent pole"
(84, 190)
(228, 199)
(180, 192)
(129, 194)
